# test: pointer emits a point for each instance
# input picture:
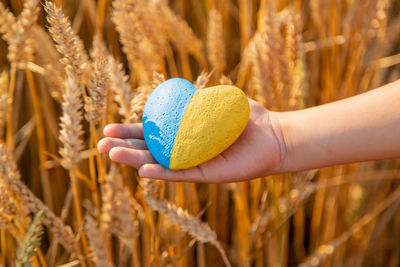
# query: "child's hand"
(360, 128)
(257, 152)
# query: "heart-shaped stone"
(184, 127)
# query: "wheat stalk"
(287, 204)
(4, 100)
(180, 33)
(136, 36)
(97, 243)
(348, 46)
(70, 124)
(68, 43)
(129, 39)
(7, 19)
(294, 53)
(186, 222)
(118, 212)
(16, 33)
(62, 233)
(215, 42)
(246, 60)
(70, 136)
(95, 104)
(30, 242)
(202, 79)
(225, 80)
(140, 96)
(8, 209)
(326, 251)
(119, 85)
(48, 57)
(10, 177)
(158, 78)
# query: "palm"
(255, 153)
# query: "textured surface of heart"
(184, 127)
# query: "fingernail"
(105, 129)
(112, 153)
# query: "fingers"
(137, 144)
(157, 171)
(124, 131)
(106, 144)
(132, 157)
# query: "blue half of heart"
(162, 115)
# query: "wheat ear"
(30, 242)
(96, 101)
(10, 177)
(68, 43)
(215, 42)
(97, 243)
(186, 222)
(70, 125)
(118, 210)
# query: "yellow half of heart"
(214, 118)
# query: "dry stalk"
(215, 42)
(294, 53)
(286, 204)
(392, 35)
(70, 136)
(118, 209)
(7, 19)
(68, 43)
(30, 242)
(347, 42)
(158, 78)
(140, 41)
(119, 85)
(225, 80)
(22, 137)
(261, 78)
(128, 37)
(326, 251)
(10, 177)
(99, 49)
(97, 243)
(140, 96)
(20, 46)
(270, 59)
(180, 33)
(20, 49)
(4, 101)
(246, 60)
(202, 79)
(8, 210)
(138, 101)
(154, 39)
(48, 57)
(320, 13)
(96, 102)
(186, 222)
(70, 125)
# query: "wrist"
(279, 127)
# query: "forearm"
(360, 128)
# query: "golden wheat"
(285, 54)
(68, 43)
(215, 42)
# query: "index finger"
(123, 131)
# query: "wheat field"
(68, 68)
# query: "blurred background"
(69, 67)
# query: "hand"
(259, 151)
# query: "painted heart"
(184, 127)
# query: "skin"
(360, 128)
